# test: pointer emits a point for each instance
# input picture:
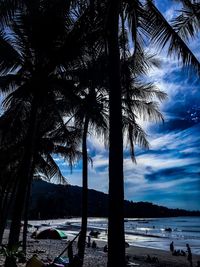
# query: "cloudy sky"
(169, 172)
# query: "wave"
(191, 231)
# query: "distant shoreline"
(105, 217)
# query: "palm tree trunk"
(3, 213)
(82, 237)
(116, 241)
(25, 228)
(3, 200)
(24, 175)
(9, 194)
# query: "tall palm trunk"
(82, 237)
(27, 200)
(24, 175)
(116, 250)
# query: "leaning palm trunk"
(24, 175)
(116, 250)
(82, 238)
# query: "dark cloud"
(167, 174)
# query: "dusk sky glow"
(169, 172)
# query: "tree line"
(50, 201)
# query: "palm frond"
(146, 92)
(135, 135)
(187, 24)
(8, 9)
(10, 59)
(134, 13)
(141, 62)
(21, 94)
(8, 82)
(147, 111)
(68, 153)
(163, 34)
(51, 170)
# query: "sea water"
(147, 232)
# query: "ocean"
(154, 233)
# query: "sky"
(168, 173)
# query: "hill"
(50, 201)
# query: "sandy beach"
(49, 249)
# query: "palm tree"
(116, 186)
(62, 140)
(38, 60)
(92, 112)
(149, 20)
(187, 24)
(54, 137)
(93, 116)
(89, 80)
(11, 153)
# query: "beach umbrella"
(51, 233)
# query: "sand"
(49, 249)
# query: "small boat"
(168, 229)
(45, 224)
(94, 233)
(62, 227)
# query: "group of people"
(182, 252)
(92, 244)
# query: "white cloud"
(100, 161)
(171, 13)
(96, 143)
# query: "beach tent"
(51, 233)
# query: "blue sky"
(169, 172)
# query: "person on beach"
(89, 242)
(105, 248)
(94, 244)
(189, 257)
(171, 246)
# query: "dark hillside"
(59, 201)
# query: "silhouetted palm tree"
(116, 186)
(41, 39)
(53, 137)
(142, 19)
(187, 24)
(93, 117)
(64, 141)
(163, 35)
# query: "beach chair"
(34, 262)
(72, 259)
